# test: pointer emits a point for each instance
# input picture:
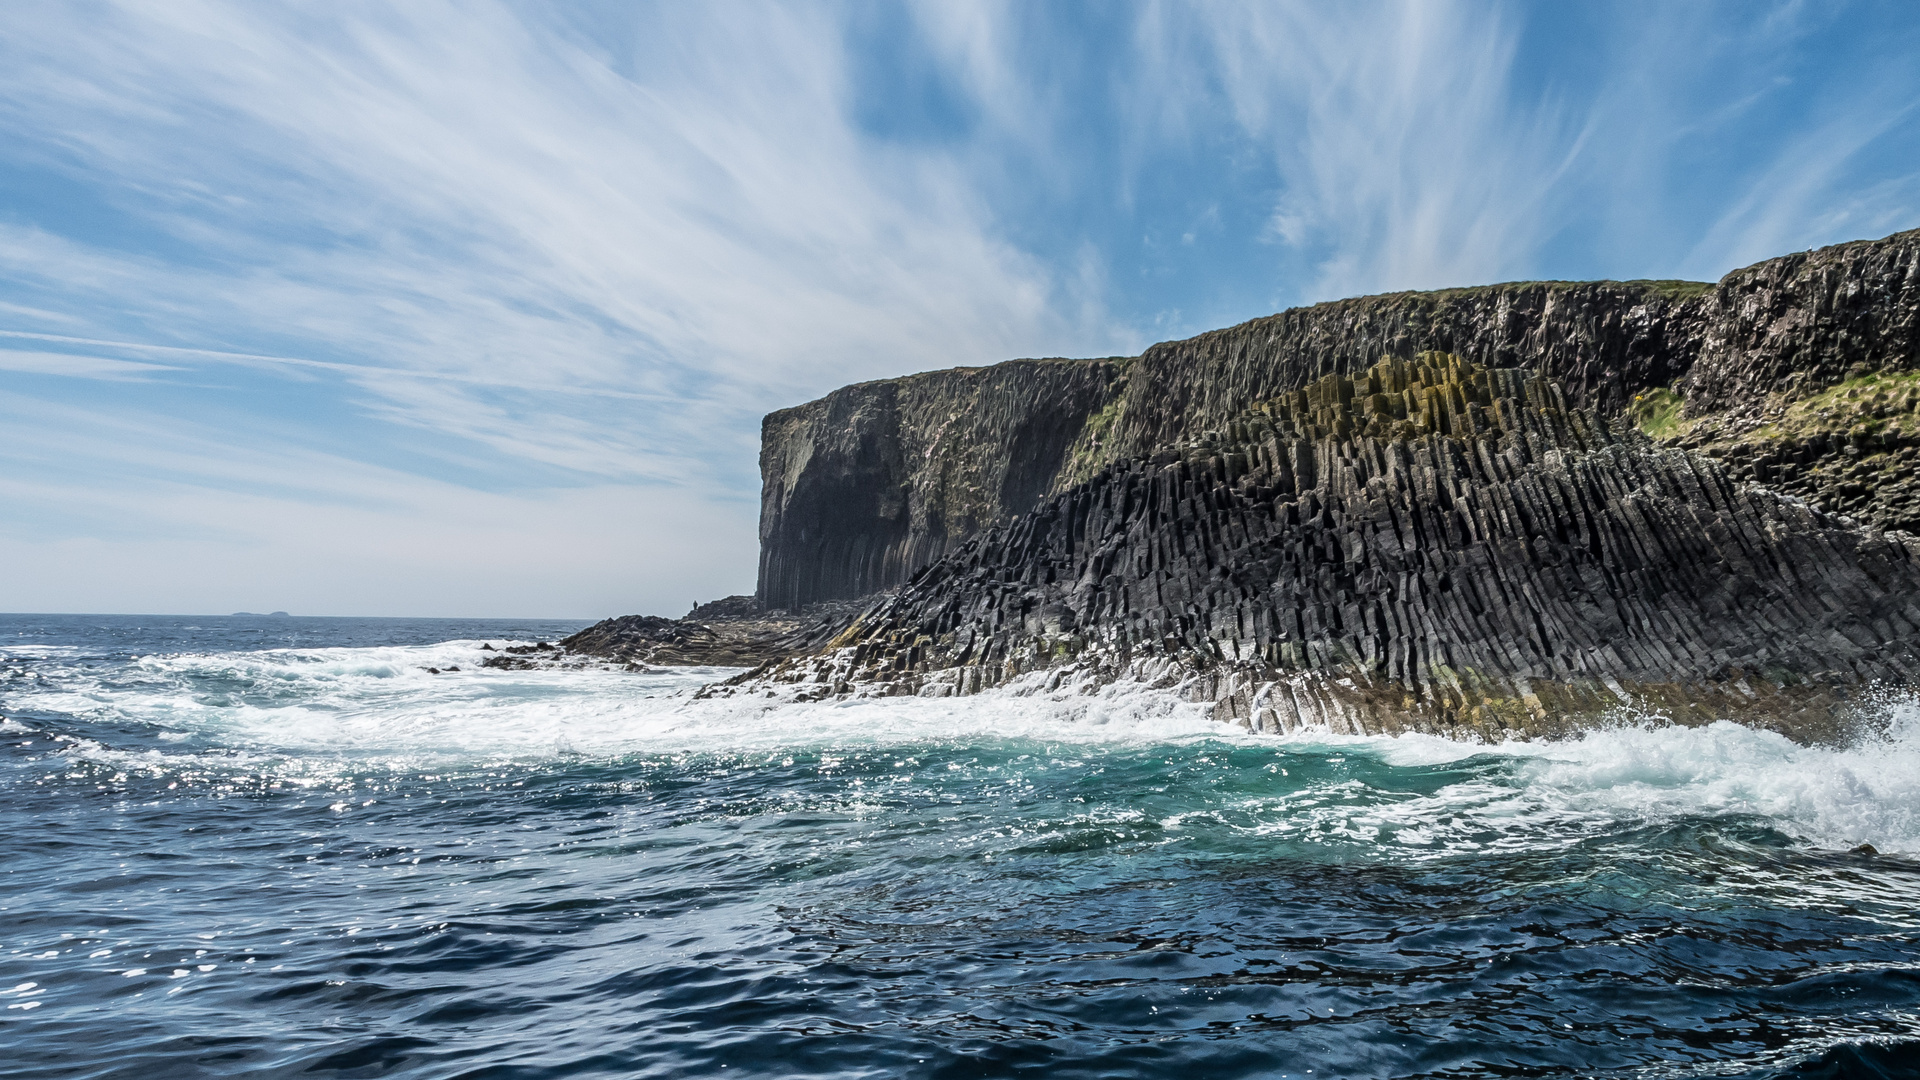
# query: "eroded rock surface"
(1796, 325)
(1511, 509)
(867, 485)
(1431, 545)
(873, 481)
(733, 632)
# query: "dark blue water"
(253, 847)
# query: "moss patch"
(1092, 448)
(1657, 413)
(1881, 403)
(1675, 289)
(1671, 289)
(1852, 448)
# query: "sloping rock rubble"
(733, 632)
(1429, 545)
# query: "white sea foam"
(318, 713)
(1865, 793)
(1648, 774)
(386, 701)
(15, 650)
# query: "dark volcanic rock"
(733, 632)
(875, 480)
(1600, 341)
(865, 486)
(1852, 448)
(1513, 508)
(725, 609)
(540, 654)
(1432, 545)
(1801, 323)
(868, 484)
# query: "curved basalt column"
(1430, 545)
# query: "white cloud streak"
(183, 518)
(1403, 157)
(1409, 155)
(603, 257)
(74, 365)
(1799, 199)
(469, 192)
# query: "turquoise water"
(245, 847)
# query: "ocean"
(283, 846)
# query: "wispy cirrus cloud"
(585, 251)
(109, 509)
(76, 365)
(480, 191)
(1427, 144)
(1404, 156)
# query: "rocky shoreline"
(731, 632)
(1508, 510)
(1430, 546)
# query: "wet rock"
(733, 632)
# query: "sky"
(473, 309)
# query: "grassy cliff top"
(1121, 362)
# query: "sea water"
(259, 847)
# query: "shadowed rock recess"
(1512, 508)
(874, 481)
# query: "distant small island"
(258, 615)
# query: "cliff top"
(1672, 290)
(997, 367)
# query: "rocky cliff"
(863, 487)
(1795, 325)
(1508, 508)
(875, 480)
(1600, 342)
(1429, 545)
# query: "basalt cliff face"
(1475, 512)
(1430, 545)
(874, 481)
(1509, 508)
(866, 486)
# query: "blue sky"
(473, 309)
